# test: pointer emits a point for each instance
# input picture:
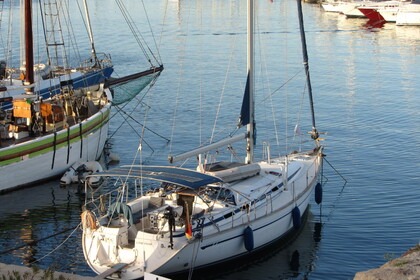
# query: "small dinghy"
(77, 173)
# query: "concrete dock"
(8, 270)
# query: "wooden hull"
(51, 155)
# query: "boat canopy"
(173, 175)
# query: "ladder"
(53, 33)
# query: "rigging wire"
(142, 125)
(338, 196)
(222, 94)
(201, 120)
(264, 66)
(151, 30)
(180, 80)
(71, 34)
(6, 45)
(163, 24)
(282, 85)
(194, 256)
(135, 31)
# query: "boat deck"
(14, 134)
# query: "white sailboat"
(196, 218)
(50, 121)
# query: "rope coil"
(88, 220)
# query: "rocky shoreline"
(10, 271)
(405, 267)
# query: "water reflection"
(411, 33)
(27, 251)
(317, 231)
(374, 24)
(34, 222)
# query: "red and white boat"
(371, 13)
(382, 11)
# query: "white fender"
(93, 166)
(70, 175)
(113, 157)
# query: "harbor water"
(366, 87)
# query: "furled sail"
(244, 118)
(245, 114)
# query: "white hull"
(409, 15)
(389, 15)
(388, 9)
(332, 7)
(39, 166)
(348, 8)
(219, 236)
(351, 10)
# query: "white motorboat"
(409, 14)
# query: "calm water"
(366, 86)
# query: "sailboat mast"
(90, 32)
(314, 133)
(29, 54)
(250, 69)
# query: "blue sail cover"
(244, 118)
(173, 175)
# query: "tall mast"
(90, 33)
(314, 132)
(250, 69)
(29, 52)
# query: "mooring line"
(59, 245)
(36, 241)
(336, 171)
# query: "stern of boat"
(130, 245)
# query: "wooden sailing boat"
(198, 218)
(50, 120)
(46, 77)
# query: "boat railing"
(266, 152)
(103, 59)
(99, 199)
(307, 180)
